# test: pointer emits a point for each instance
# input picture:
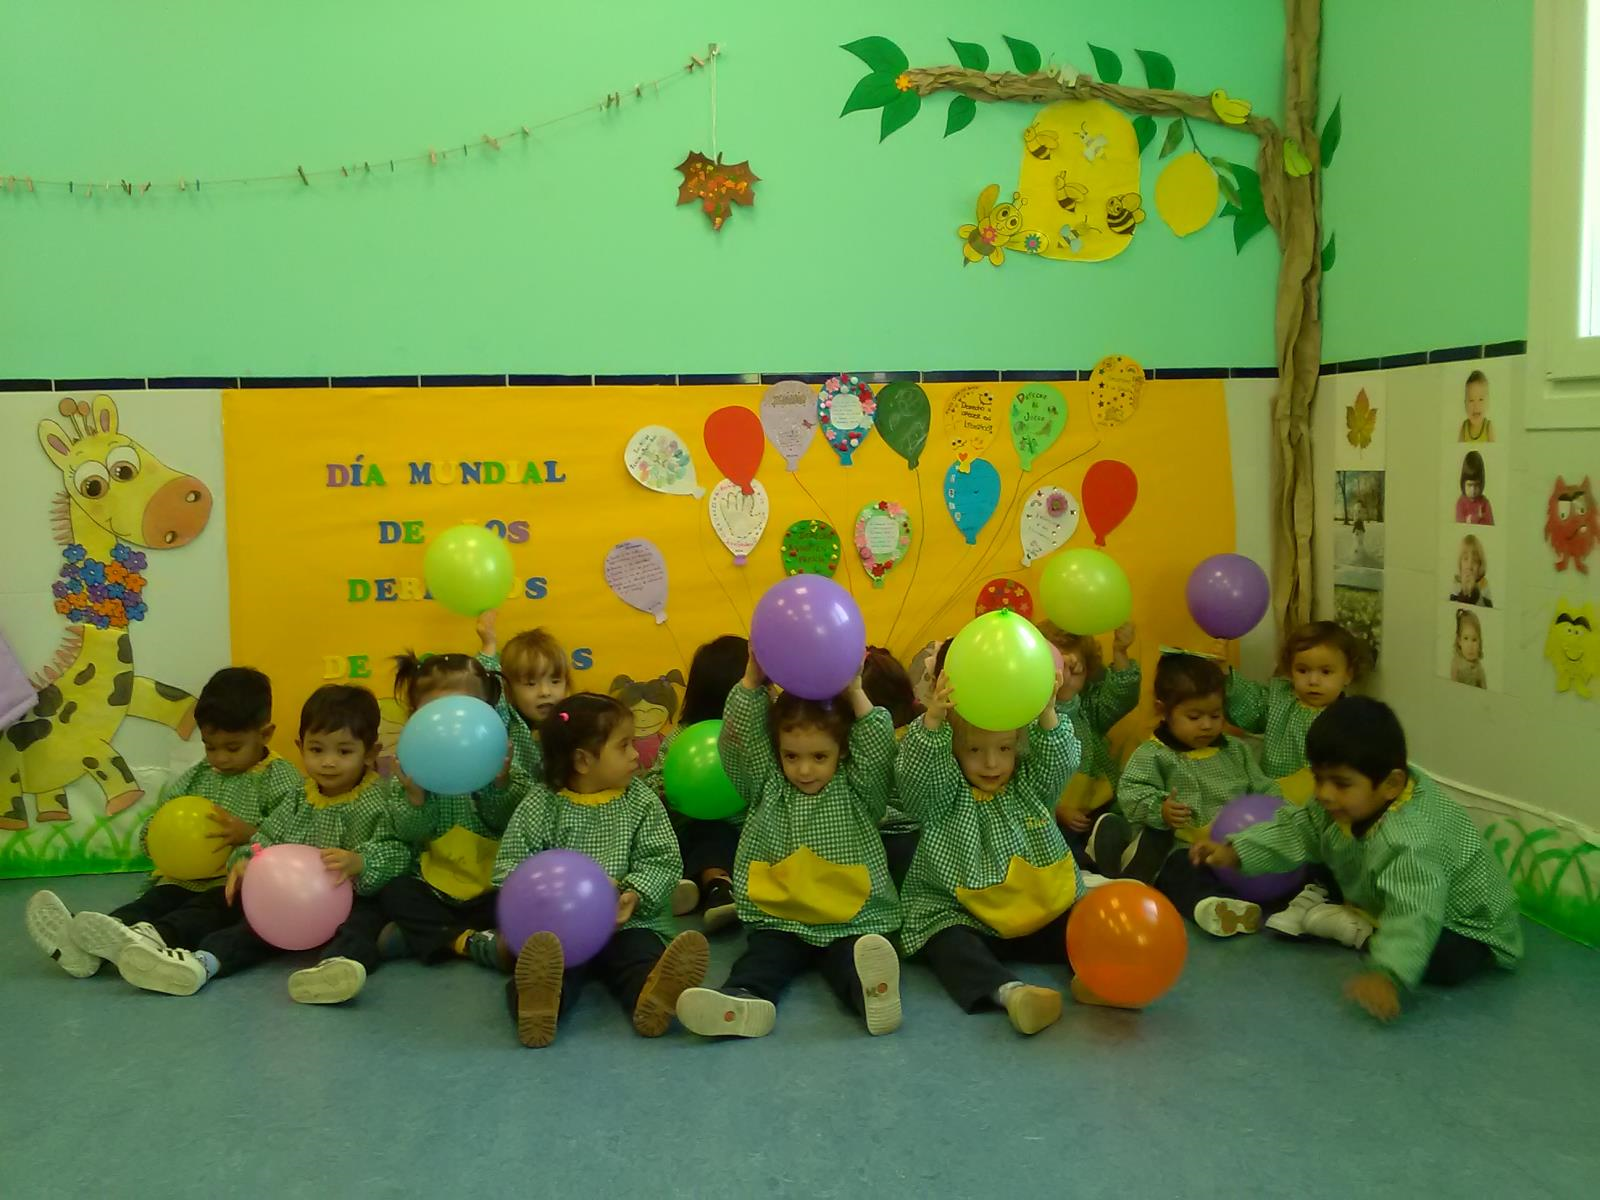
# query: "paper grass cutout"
(737, 518)
(883, 537)
(716, 185)
(1048, 520)
(659, 459)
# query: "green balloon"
(1038, 415)
(468, 570)
(1084, 591)
(696, 784)
(902, 419)
(1001, 671)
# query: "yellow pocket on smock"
(1027, 899)
(808, 889)
(459, 863)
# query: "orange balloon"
(1126, 942)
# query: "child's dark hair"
(716, 668)
(1360, 733)
(342, 706)
(1181, 677)
(1475, 377)
(235, 700)
(887, 685)
(1085, 647)
(1325, 633)
(413, 674)
(833, 717)
(583, 721)
(658, 691)
(1472, 471)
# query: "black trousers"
(1078, 843)
(1456, 959)
(971, 965)
(623, 966)
(707, 847)
(238, 946)
(773, 958)
(432, 921)
(183, 918)
(900, 849)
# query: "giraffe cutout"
(120, 501)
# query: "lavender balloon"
(561, 892)
(1228, 595)
(1242, 813)
(808, 636)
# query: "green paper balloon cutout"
(903, 418)
(810, 548)
(1038, 417)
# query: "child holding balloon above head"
(592, 801)
(238, 784)
(535, 676)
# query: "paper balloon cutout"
(1109, 491)
(1114, 388)
(883, 536)
(972, 496)
(903, 418)
(1004, 593)
(637, 573)
(1049, 519)
(810, 548)
(659, 459)
(789, 415)
(1038, 415)
(845, 409)
(738, 519)
(734, 442)
(969, 424)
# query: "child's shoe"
(1109, 840)
(106, 937)
(1223, 916)
(331, 981)
(685, 897)
(392, 943)
(1292, 920)
(50, 926)
(711, 1013)
(539, 972)
(878, 968)
(720, 908)
(1338, 923)
(1030, 1008)
(682, 965)
(488, 949)
(1083, 995)
(161, 969)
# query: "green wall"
(568, 255)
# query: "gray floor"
(1251, 1078)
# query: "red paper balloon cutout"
(1004, 593)
(1109, 491)
(735, 443)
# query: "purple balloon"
(1241, 813)
(561, 892)
(1228, 595)
(808, 636)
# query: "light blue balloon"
(453, 745)
(972, 496)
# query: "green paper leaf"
(1249, 188)
(1173, 140)
(898, 113)
(970, 55)
(1025, 55)
(1223, 167)
(962, 110)
(1245, 226)
(874, 91)
(1330, 253)
(1332, 131)
(1230, 193)
(1144, 129)
(879, 53)
(1158, 69)
(1106, 64)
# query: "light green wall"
(569, 255)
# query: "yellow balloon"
(178, 842)
(1187, 193)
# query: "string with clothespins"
(25, 183)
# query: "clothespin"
(302, 172)
(493, 142)
(433, 158)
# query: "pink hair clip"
(564, 716)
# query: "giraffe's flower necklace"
(107, 595)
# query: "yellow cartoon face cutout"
(1572, 648)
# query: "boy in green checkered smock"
(810, 879)
(992, 880)
(245, 781)
(1319, 661)
(1402, 853)
(535, 675)
(592, 801)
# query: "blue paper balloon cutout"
(972, 496)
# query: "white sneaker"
(50, 926)
(160, 969)
(1222, 916)
(109, 938)
(685, 897)
(878, 968)
(1292, 920)
(1338, 923)
(711, 1013)
(1091, 881)
(331, 981)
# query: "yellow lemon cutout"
(1078, 190)
(1187, 194)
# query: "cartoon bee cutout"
(1094, 144)
(1123, 213)
(996, 230)
(1068, 194)
(1072, 236)
(1041, 143)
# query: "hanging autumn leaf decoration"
(1360, 421)
(716, 185)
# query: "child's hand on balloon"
(235, 877)
(344, 864)
(1376, 993)
(1121, 640)
(504, 777)
(488, 639)
(230, 829)
(940, 703)
(1214, 854)
(627, 904)
(1174, 814)
(754, 676)
(414, 792)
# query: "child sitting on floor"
(245, 781)
(810, 879)
(1399, 849)
(534, 674)
(591, 800)
(888, 686)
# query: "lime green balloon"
(696, 784)
(468, 569)
(1001, 671)
(1084, 591)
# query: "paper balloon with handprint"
(969, 424)
(658, 458)
(902, 419)
(972, 496)
(810, 548)
(1038, 415)
(845, 408)
(789, 417)
(1049, 519)
(883, 536)
(738, 519)
(734, 442)
(637, 573)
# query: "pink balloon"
(292, 900)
